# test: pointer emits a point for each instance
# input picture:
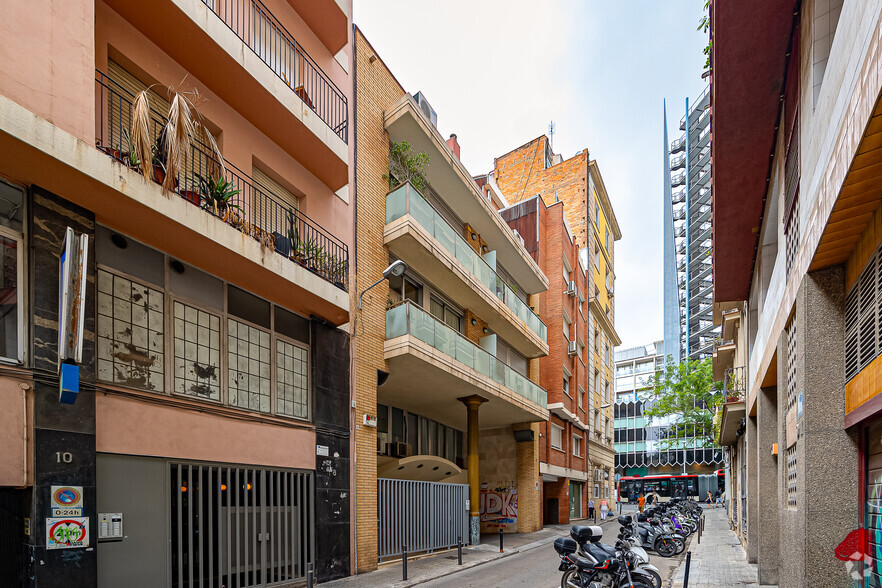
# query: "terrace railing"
(255, 210)
(256, 26)
(406, 318)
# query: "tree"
(406, 166)
(686, 395)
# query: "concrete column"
(768, 486)
(472, 403)
(828, 455)
(529, 503)
(749, 456)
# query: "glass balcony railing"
(405, 199)
(409, 319)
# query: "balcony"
(251, 61)
(733, 384)
(678, 180)
(432, 365)
(404, 121)
(418, 234)
(678, 145)
(678, 162)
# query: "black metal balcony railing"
(733, 383)
(256, 26)
(254, 210)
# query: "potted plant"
(217, 195)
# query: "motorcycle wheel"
(681, 545)
(649, 577)
(665, 548)
(571, 579)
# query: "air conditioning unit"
(572, 349)
(571, 288)
(399, 449)
(426, 108)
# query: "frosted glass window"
(197, 352)
(249, 366)
(293, 384)
(130, 333)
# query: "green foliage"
(217, 193)
(406, 166)
(688, 394)
(704, 27)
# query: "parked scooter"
(587, 563)
(651, 536)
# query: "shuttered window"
(126, 85)
(862, 310)
(262, 209)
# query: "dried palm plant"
(185, 126)
(140, 134)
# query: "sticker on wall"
(67, 533)
(67, 501)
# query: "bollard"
(459, 550)
(686, 574)
(699, 532)
(309, 574)
(500, 540)
(595, 516)
(404, 562)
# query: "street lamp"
(396, 269)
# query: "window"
(596, 214)
(606, 491)
(444, 312)
(12, 252)
(577, 446)
(248, 351)
(566, 385)
(401, 288)
(596, 491)
(293, 392)
(597, 259)
(197, 352)
(130, 333)
(581, 394)
(556, 437)
(624, 370)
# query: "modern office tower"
(688, 272)
(638, 439)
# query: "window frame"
(559, 430)
(577, 445)
(20, 299)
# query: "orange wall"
(240, 141)
(132, 427)
(48, 61)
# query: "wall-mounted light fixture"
(485, 330)
(474, 322)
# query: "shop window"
(197, 352)
(130, 333)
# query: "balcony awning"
(730, 421)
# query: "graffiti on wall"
(499, 508)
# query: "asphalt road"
(535, 568)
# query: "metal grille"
(239, 527)
(862, 311)
(424, 516)
(791, 364)
(791, 476)
(792, 236)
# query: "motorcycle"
(649, 534)
(587, 563)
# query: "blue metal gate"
(424, 516)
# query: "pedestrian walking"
(590, 508)
(718, 498)
(604, 508)
(641, 503)
(650, 499)
(710, 500)
(656, 499)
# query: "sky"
(498, 71)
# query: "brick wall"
(376, 89)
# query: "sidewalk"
(719, 561)
(443, 564)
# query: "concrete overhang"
(750, 40)
(241, 79)
(723, 359)
(428, 382)
(423, 468)
(730, 320)
(37, 152)
(730, 422)
(557, 408)
(551, 473)
(404, 121)
(328, 19)
(410, 241)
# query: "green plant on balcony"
(406, 166)
(217, 194)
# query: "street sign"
(67, 501)
(67, 533)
